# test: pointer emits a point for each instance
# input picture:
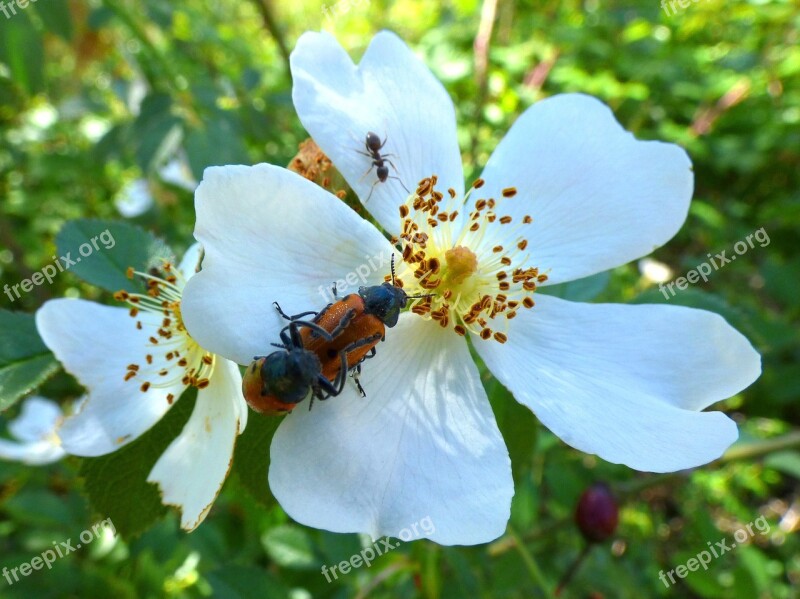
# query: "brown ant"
(373, 145)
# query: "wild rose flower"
(566, 194)
(34, 434)
(135, 364)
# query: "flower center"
(461, 264)
(173, 356)
(473, 282)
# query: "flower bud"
(597, 513)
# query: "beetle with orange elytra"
(367, 314)
(341, 336)
(276, 383)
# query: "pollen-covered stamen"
(477, 281)
(173, 358)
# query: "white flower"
(135, 199)
(135, 364)
(625, 382)
(178, 173)
(34, 431)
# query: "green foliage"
(119, 246)
(25, 361)
(251, 456)
(115, 484)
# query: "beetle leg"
(296, 316)
(355, 372)
(294, 327)
(335, 388)
(346, 319)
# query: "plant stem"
(530, 563)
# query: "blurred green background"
(97, 96)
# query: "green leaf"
(218, 144)
(787, 462)
(580, 290)
(25, 361)
(240, 582)
(56, 17)
(21, 49)
(119, 245)
(156, 132)
(251, 458)
(116, 484)
(291, 547)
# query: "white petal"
(36, 453)
(270, 235)
(598, 197)
(391, 93)
(96, 344)
(423, 443)
(192, 470)
(37, 419)
(190, 263)
(625, 381)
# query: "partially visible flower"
(34, 431)
(566, 194)
(135, 364)
(655, 271)
(178, 173)
(134, 199)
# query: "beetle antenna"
(393, 282)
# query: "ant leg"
(371, 190)
(295, 317)
(372, 166)
(399, 181)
